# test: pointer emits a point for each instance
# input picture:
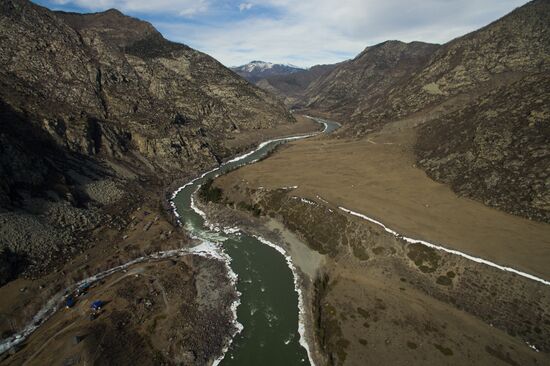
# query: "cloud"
(245, 6)
(305, 32)
(180, 7)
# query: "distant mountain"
(290, 87)
(257, 70)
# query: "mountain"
(361, 82)
(391, 80)
(257, 70)
(495, 148)
(290, 87)
(98, 107)
(497, 54)
(480, 100)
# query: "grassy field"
(384, 301)
(376, 176)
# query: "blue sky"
(305, 32)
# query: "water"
(269, 308)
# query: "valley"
(160, 208)
(441, 303)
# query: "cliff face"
(174, 104)
(89, 103)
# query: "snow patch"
(289, 188)
(451, 251)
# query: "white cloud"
(307, 32)
(181, 7)
(245, 6)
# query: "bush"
(209, 193)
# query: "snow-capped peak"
(257, 66)
(257, 70)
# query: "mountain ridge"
(257, 70)
(103, 100)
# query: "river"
(269, 300)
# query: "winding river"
(267, 321)
(268, 327)
(270, 303)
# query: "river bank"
(378, 177)
(306, 263)
(384, 300)
(269, 312)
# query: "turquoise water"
(269, 303)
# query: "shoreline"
(300, 290)
(231, 222)
(227, 260)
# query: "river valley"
(267, 285)
(269, 299)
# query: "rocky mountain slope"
(496, 148)
(502, 52)
(353, 85)
(257, 70)
(96, 106)
(496, 74)
(291, 87)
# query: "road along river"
(269, 328)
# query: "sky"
(300, 32)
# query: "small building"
(69, 302)
(96, 305)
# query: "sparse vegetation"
(363, 312)
(210, 193)
(360, 252)
(254, 209)
(446, 351)
(426, 259)
(444, 281)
